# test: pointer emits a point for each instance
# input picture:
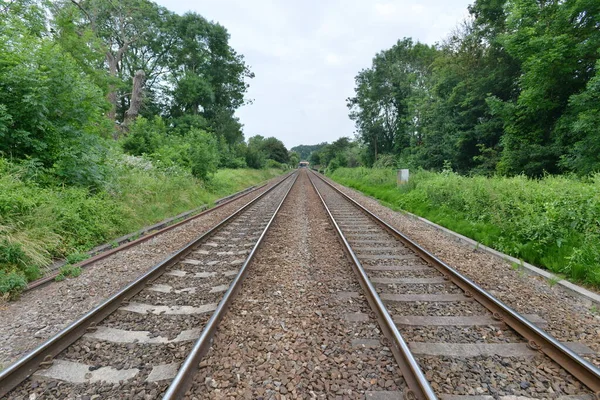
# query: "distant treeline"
(514, 89)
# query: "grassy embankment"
(553, 222)
(40, 222)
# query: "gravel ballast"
(140, 349)
(39, 314)
(457, 358)
(568, 318)
(286, 334)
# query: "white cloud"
(385, 9)
(333, 59)
(305, 54)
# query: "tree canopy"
(78, 76)
(514, 89)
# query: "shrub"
(11, 284)
(385, 161)
(203, 153)
(274, 164)
(550, 222)
(145, 136)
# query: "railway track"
(133, 344)
(310, 330)
(102, 252)
(449, 336)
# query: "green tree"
(46, 102)
(383, 106)
(294, 159)
(557, 44)
(203, 153)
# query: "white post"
(402, 178)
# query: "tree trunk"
(112, 92)
(137, 94)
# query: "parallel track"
(211, 263)
(395, 273)
(389, 256)
(54, 272)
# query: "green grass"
(42, 222)
(553, 222)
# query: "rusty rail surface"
(44, 353)
(537, 338)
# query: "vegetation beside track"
(41, 220)
(551, 222)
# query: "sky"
(305, 54)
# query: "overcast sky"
(306, 53)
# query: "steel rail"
(418, 386)
(185, 376)
(538, 339)
(45, 352)
(228, 199)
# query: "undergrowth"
(553, 222)
(41, 220)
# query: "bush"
(274, 164)
(144, 136)
(550, 222)
(11, 284)
(203, 153)
(47, 100)
(255, 158)
(39, 223)
(385, 161)
(83, 163)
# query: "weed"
(66, 271)
(11, 284)
(549, 222)
(595, 310)
(39, 223)
(553, 280)
(74, 258)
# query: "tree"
(203, 153)
(382, 107)
(46, 102)
(117, 26)
(557, 45)
(294, 158)
(304, 151)
(274, 149)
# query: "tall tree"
(557, 44)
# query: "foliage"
(294, 158)
(39, 223)
(66, 271)
(46, 103)
(204, 157)
(514, 89)
(145, 136)
(11, 284)
(551, 222)
(261, 149)
(189, 67)
(304, 151)
(274, 164)
(341, 153)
